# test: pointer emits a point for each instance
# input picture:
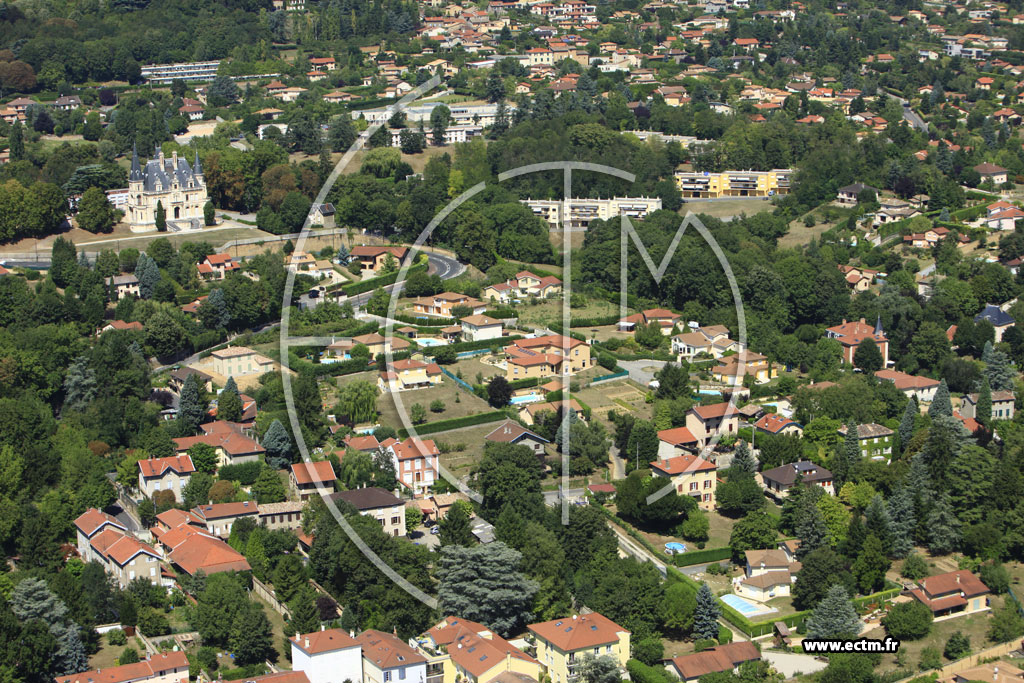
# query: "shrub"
(244, 473)
(437, 406)
(908, 621)
(957, 647)
(995, 576)
(930, 659)
(724, 635)
(153, 623)
(914, 567)
(704, 644)
(116, 637)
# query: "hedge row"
(455, 423)
(435, 322)
(597, 321)
(692, 557)
(353, 288)
(459, 347)
(524, 383)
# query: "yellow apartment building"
(561, 642)
(709, 185)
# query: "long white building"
(580, 212)
(461, 114)
(190, 71)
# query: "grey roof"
(368, 499)
(136, 172)
(123, 280)
(786, 474)
(995, 315)
(856, 188)
(868, 430)
(163, 172)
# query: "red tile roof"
(720, 658)
(156, 467)
(157, 665)
(774, 423)
(413, 448)
(387, 651)
(90, 521)
(324, 641)
(313, 473)
(682, 464)
(200, 551)
(678, 436)
(715, 410)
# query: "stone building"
(180, 187)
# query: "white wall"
(330, 667)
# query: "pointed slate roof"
(136, 172)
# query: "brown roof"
(324, 641)
(120, 548)
(92, 519)
(413, 448)
(682, 464)
(480, 320)
(224, 510)
(313, 472)
(579, 632)
(720, 658)
(511, 432)
(903, 381)
(868, 431)
(211, 555)
(368, 498)
(446, 631)
(770, 558)
(156, 467)
(156, 665)
(768, 579)
(478, 655)
(387, 651)
(953, 582)
(714, 410)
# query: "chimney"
(323, 627)
(297, 634)
(574, 617)
(862, 321)
(307, 643)
(351, 633)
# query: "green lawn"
(974, 626)
(108, 654)
(445, 392)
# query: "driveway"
(789, 664)
(642, 371)
(553, 498)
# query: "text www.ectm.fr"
(816, 646)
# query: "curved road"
(443, 266)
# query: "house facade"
(851, 334)
(375, 502)
(239, 361)
(165, 667)
(959, 592)
(875, 440)
(561, 643)
(306, 478)
(1002, 405)
(327, 656)
(165, 474)
(779, 480)
(417, 463)
(921, 388)
(388, 659)
(704, 422)
(220, 517)
(177, 186)
(691, 476)
(480, 327)
(408, 374)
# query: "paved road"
(912, 116)
(630, 547)
(640, 370)
(443, 266)
(552, 498)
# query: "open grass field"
(620, 396)
(417, 161)
(122, 238)
(444, 392)
(974, 626)
(108, 654)
(549, 311)
(727, 207)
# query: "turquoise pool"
(742, 606)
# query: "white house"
(327, 656)
(480, 327)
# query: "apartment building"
(734, 183)
(577, 213)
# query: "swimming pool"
(430, 341)
(742, 606)
(518, 400)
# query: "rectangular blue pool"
(742, 606)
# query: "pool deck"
(760, 610)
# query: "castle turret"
(136, 173)
(196, 168)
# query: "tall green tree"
(941, 404)
(870, 566)
(229, 402)
(79, 384)
(484, 584)
(821, 569)
(834, 617)
(161, 217)
(902, 521)
(943, 527)
(984, 408)
(867, 357)
(191, 409)
(278, 445)
(706, 614)
(906, 428)
(148, 275)
(251, 639)
(810, 528)
(95, 212)
(743, 460)
(455, 528)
